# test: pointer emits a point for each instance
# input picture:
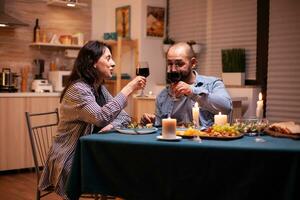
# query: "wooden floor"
(21, 186)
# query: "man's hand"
(181, 88)
(147, 118)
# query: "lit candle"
(220, 119)
(196, 115)
(169, 128)
(259, 107)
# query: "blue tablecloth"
(141, 167)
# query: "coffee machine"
(39, 84)
(8, 81)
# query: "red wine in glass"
(142, 72)
(173, 77)
(142, 69)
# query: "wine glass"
(142, 69)
(173, 77)
(261, 125)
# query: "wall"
(150, 49)
(14, 43)
(216, 25)
(283, 89)
(251, 94)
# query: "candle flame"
(220, 113)
(196, 105)
(260, 96)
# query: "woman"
(86, 107)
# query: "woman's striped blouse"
(79, 112)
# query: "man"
(209, 92)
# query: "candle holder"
(220, 119)
(169, 128)
(195, 112)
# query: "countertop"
(30, 94)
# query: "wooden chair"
(42, 129)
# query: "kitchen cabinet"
(111, 86)
(15, 149)
(142, 105)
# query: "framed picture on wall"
(155, 21)
(123, 21)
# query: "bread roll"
(285, 127)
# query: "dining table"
(142, 167)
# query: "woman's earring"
(95, 66)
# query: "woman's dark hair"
(84, 68)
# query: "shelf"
(40, 44)
(67, 4)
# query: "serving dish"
(177, 138)
(137, 131)
(251, 127)
(190, 133)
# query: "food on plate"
(135, 125)
(149, 125)
(285, 127)
(250, 125)
(190, 132)
(218, 131)
(224, 130)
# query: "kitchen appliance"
(41, 85)
(8, 81)
(59, 79)
(40, 64)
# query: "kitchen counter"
(15, 150)
(30, 94)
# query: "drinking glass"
(261, 125)
(173, 77)
(142, 69)
(197, 138)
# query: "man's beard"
(185, 76)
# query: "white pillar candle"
(220, 119)
(169, 128)
(196, 115)
(259, 107)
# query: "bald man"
(209, 92)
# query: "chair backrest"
(42, 129)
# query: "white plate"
(137, 131)
(160, 137)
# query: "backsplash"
(15, 50)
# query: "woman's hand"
(106, 128)
(137, 83)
